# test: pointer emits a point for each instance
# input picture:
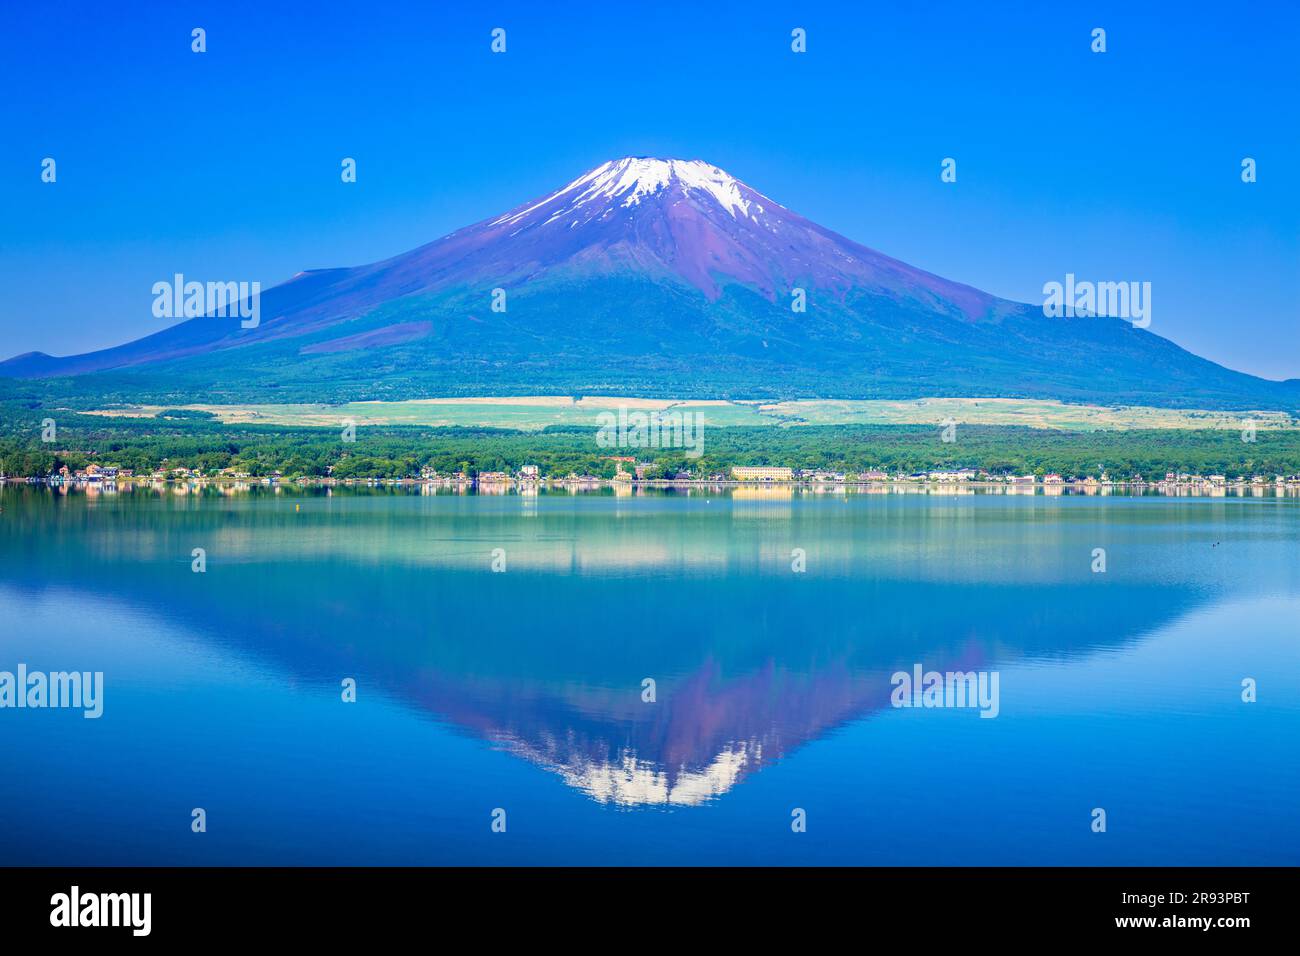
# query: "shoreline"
(1194, 487)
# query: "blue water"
(522, 690)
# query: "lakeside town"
(630, 474)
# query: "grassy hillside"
(532, 413)
(588, 335)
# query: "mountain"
(648, 277)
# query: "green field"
(535, 413)
(562, 438)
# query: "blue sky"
(225, 165)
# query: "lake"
(502, 648)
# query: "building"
(761, 473)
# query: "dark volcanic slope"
(649, 277)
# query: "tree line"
(403, 451)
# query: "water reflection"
(546, 661)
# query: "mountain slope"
(649, 277)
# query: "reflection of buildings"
(763, 493)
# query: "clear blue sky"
(225, 165)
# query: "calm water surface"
(522, 690)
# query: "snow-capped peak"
(633, 178)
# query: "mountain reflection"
(546, 661)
